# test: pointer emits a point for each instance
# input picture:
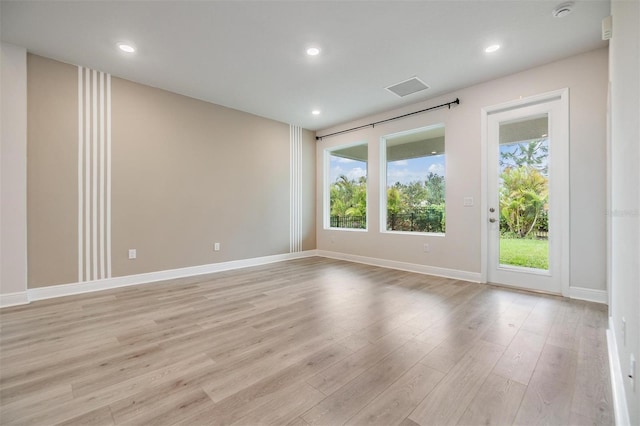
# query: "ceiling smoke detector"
(563, 10)
(407, 87)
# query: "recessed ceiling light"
(563, 10)
(315, 112)
(313, 51)
(492, 48)
(126, 47)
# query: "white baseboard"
(617, 379)
(588, 294)
(13, 299)
(129, 280)
(403, 266)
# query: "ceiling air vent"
(407, 87)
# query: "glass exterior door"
(526, 193)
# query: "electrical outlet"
(468, 201)
(216, 247)
(132, 253)
(426, 248)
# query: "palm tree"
(348, 198)
(341, 193)
(359, 199)
(532, 154)
(523, 195)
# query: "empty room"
(320, 212)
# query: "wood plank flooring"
(305, 342)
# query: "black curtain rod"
(448, 104)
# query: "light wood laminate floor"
(310, 341)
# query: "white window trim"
(383, 182)
(326, 193)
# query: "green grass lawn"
(524, 252)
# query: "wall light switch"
(216, 247)
(468, 201)
(132, 253)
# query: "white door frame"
(562, 178)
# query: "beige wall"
(52, 172)
(586, 77)
(13, 175)
(185, 174)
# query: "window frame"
(383, 180)
(326, 183)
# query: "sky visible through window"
(407, 171)
(352, 169)
(414, 169)
(403, 171)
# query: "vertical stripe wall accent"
(295, 167)
(94, 175)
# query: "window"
(414, 188)
(346, 188)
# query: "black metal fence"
(419, 220)
(540, 232)
(541, 235)
(349, 222)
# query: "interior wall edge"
(620, 409)
(13, 170)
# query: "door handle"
(492, 220)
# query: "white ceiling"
(250, 55)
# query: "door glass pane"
(523, 191)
